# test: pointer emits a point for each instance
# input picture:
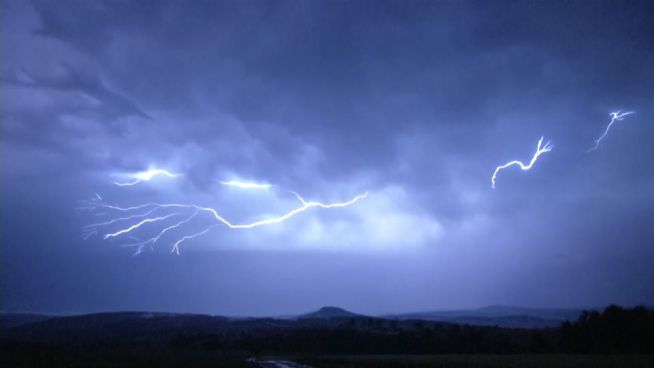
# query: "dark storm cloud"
(324, 69)
(90, 86)
(69, 95)
(416, 102)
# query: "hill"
(332, 330)
(8, 320)
(330, 312)
(501, 316)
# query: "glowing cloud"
(145, 176)
(539, 151)
(615, 116)
(246, 184)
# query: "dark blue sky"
(414, 102)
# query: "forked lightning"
(539, 151)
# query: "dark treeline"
(615, 331)
(347, 340)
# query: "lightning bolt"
(147, 175)
(539, 151)
(153, 215)
(615, 116)
(187, 237)
(246, 184)
(139, 224)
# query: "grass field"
(485, 361)
(166, 357)
(121, 358)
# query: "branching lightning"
(138, 217)
(145, 176)
(615, 116)
(187, 237)
(539, 151)
(139, 224)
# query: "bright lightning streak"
(106, 223)
(145, 176)
(539, 151)
(615, 116)
(187, 237)
(137, 225)
(245, 184)
(154, 239)
(195, 210)
(275, 220)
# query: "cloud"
(94, 95)
(416, 103)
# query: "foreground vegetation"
(614, 331)
(121, 357)
(173, 357)
(616, 337)
(486, 361)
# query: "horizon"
(296, 314)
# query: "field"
(172, 357)
(119, 357)
(485, 361)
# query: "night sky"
(415, 103)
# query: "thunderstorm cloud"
(414, 102)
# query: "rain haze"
(413, 102)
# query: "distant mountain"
(148, 327)
(8, 320)
(129, 326)
(330, 312)
(562, 314)
(123, 326)
(501, 316)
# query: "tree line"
(615, 330)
